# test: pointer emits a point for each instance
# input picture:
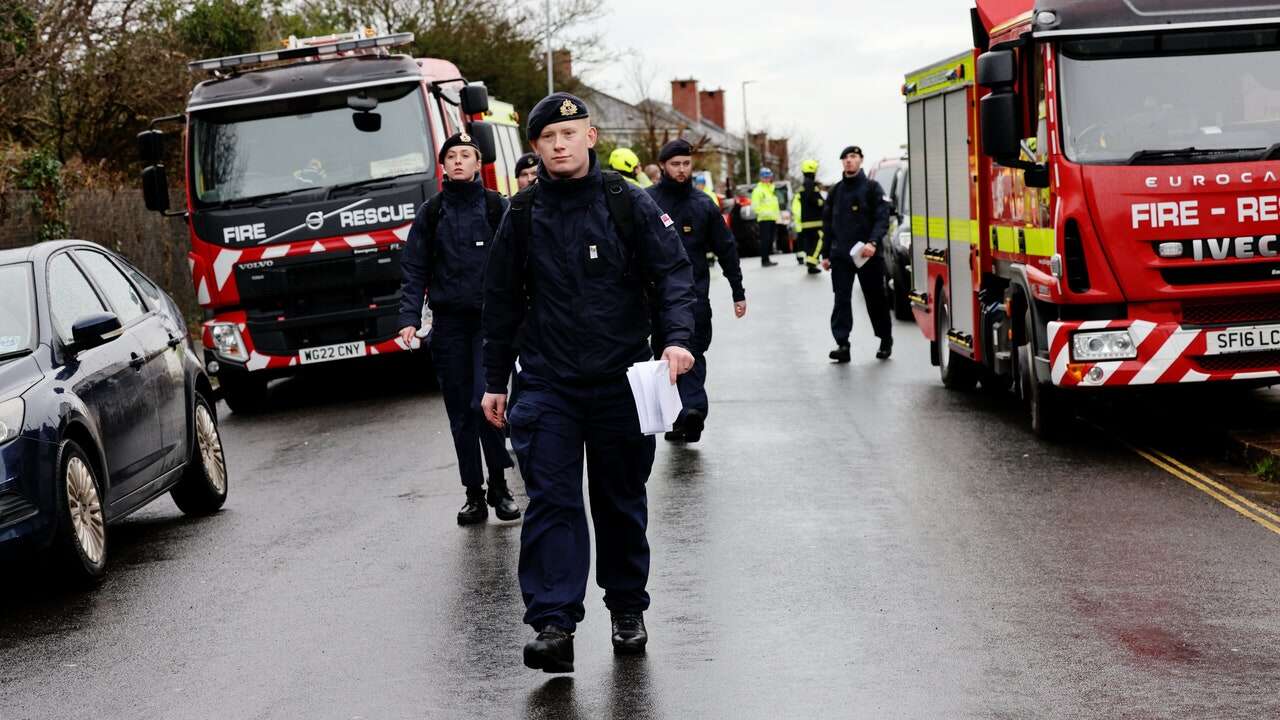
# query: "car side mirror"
(482, 134)
(474, 99)
(155, 188)
(151, 147)
(93, 330)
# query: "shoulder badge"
(568, 108)
(666, 220)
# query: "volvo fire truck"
(304, 168)
(1096, 198)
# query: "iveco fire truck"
(304, 167)
(1095, 197)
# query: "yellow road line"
(1212, 488)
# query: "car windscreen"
(1177, 97)
(316, 141)
(17, 310)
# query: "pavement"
(846, 542)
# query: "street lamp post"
(746, 136)
(551, 84)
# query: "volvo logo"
(315, 220)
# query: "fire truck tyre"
(203, 487)
(245, 394)
(958, 372)
(1043, 400)
(80, 537)
(901, 287)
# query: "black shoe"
(551, 651)
(767, 263)
(886, 349)
(504, 506)
(675, 436)
(840, 354)
(799, 260)
(629, 635)
(694, 421)
(814, 270)
(474, 511)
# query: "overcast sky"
(828, 73)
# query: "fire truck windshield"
(283, 146)
(1176, 97)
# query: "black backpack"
(621, 210)
(434, 210)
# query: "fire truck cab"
(1096, 198)
(304, 168)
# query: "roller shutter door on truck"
(919, 206)
(958, 226)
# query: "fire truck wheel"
(958, 372)
(245, 394)
(1043, 401)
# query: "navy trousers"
(871, 277)
(693, 384)
(455, 352)
(553, 427)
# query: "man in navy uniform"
(526, 170)
(445, 256)
(702, 229)
(856, 212)
(576, 261)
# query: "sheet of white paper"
(856, 253)
(657, 400)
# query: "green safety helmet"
(624, 160)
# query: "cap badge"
(464, 138)
(568, 108)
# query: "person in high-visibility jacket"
(806, 215)
(764, 201)
(626, 162)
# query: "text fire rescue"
(347, 218)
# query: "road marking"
(1214, 489)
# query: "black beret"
(851, 150)
(525, 162)
(558, 107)
(675, 148)
(455, 140)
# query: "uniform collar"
(568, 186)
(667, 185)
(462, 190)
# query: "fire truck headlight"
(227, 342)
(1106, 345)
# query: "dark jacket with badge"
(447, 249)
(855, 211)
(575, 289)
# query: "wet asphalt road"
(846, 542)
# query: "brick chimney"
(562, 64)
(779, 150)
(711, 102)
(684, 98)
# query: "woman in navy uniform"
(571, 275)
(701, 228)
(445, 256)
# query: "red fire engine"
(304, 168)
(1096, 197)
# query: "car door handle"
(136, 361)
(175, 340)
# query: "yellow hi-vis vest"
(765, 203)
(799, 223)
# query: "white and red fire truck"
(304, 168)
(1096, 197)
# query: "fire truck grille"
(1242, 362)
(1219, 274)
(1256, 310)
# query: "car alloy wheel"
(210, 445)
(85, 509)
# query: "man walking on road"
(855, 213)
(806, 213)
(571, 267)
(764, 201)
(445, 256)
(702, 229)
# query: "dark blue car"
(103, 405)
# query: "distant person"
(764, 201)
(626, 163)
(806, 215)
(526, 170)
(445, 255)
(700, 184)
(575, 266)
(856, 212)
(653, 172)
(702, 229)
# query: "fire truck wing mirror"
(155, 188)
(1001, 126)
(151, 146)
(368, 122)
(362, 103)
(1036, 176)
(474, 100)
(482, 133)
(997, 69)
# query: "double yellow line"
(1214, 489)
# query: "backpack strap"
(521, 214)
(622, 211)
(493, 209)
(433, 209)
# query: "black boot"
(504, 506)
(886, 349)
(551, 651)
(813, 270)
(629, 635)
(767, 263)
(694, 421)
(474, 511)
(840, 354)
